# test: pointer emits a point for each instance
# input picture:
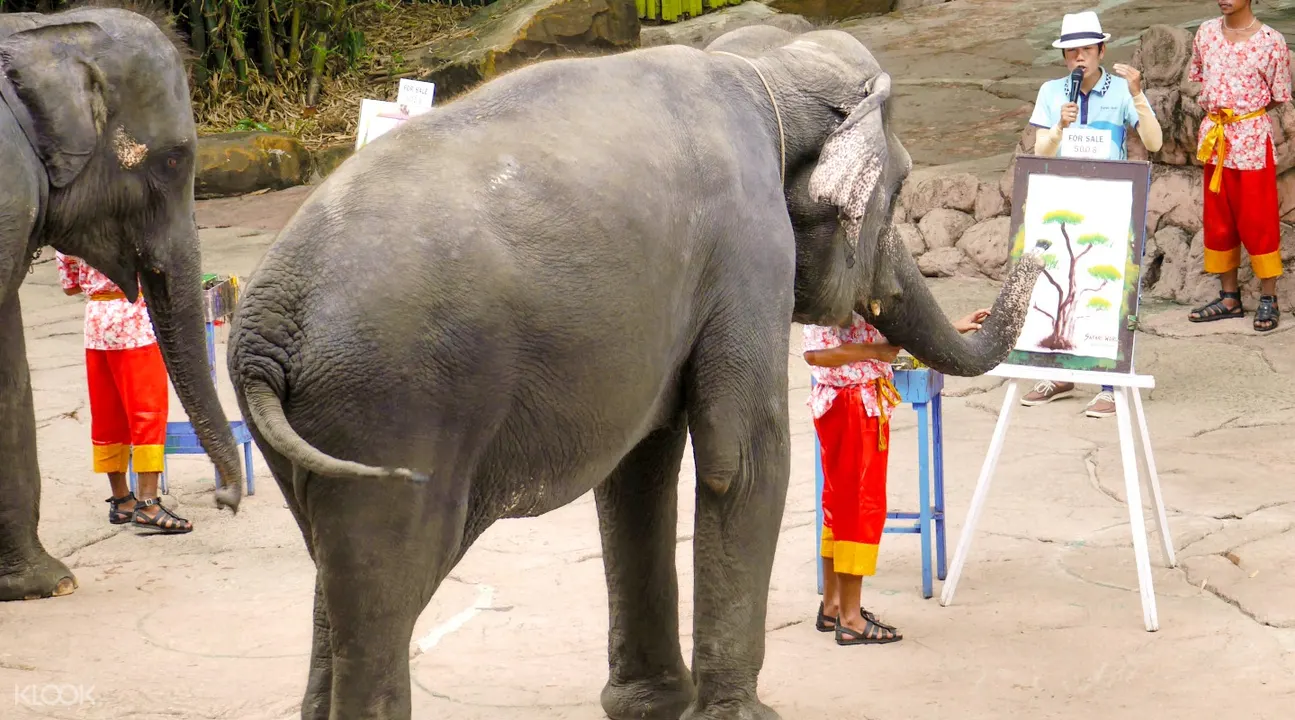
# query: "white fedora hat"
(1080, 29)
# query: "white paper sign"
(1082, 142)
(414, 94)
(379, 116)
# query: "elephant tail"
(266, 410)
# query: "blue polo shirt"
(1109, 106)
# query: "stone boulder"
(932, 190)
(698, 32)
(507, 34)
(899, 5)
(328, 157)
(832, 10)
(988, 244)
(946, 262)
(911, 236)
(942, 227)
(240, 163)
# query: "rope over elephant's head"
(845, 169)
(845, 165)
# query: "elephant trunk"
(908, 315)
(175, 303)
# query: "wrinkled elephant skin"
(96, 160)
(547, 286)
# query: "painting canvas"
(1087, 220)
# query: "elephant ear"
(53, 71)
(853, 160)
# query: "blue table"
(182, 440)
(922, 389)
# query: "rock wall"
(954, 225)
(510, 33)
(957, 225)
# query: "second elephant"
(545, 286)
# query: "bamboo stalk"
(267, 40)
(213, 33)
(198, 41)
(294, 35)
(320, 55)
(232, 17)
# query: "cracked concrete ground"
(1046, 623)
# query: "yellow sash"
(1216, 140)
(886, 390)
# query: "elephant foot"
(38, 578)
(662, 698)
(733, 710)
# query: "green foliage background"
(261, 64)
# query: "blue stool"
(920, 388)
(182, 440)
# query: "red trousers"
(854, 483)
(128, 408)
(1244, 211)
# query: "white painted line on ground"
(485, 596)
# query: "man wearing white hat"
(1093, 127)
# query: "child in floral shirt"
(128, 395)
(851, 402)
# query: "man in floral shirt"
(128, 395)
(851, 402)
(1244, 70)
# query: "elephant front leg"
(742, 453)
(27, 571)
(637, 513)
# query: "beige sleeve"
(1148, 125)
(1046, 142)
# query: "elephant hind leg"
(637, 515)
(319, 685)
(381, 552)
(27, 571)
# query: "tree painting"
(1071, 293)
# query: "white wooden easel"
(1125, 385)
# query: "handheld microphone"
(1076, 78)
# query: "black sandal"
(1216, 310)
(166, 521)
(821, 624)
(1268, 315)
(874, 633)
(116, 515)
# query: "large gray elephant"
(97, 143)
(542, 288)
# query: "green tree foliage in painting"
(1070, 294)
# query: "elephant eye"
(171, 162)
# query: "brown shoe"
(1047, 391)
(1102, 405)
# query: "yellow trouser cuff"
(148, 458)
(111, 458)
(852, 558)
(1221, 261)
(1268, 265)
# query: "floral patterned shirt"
(1244, 77)
(109, 324)
(863, 373)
